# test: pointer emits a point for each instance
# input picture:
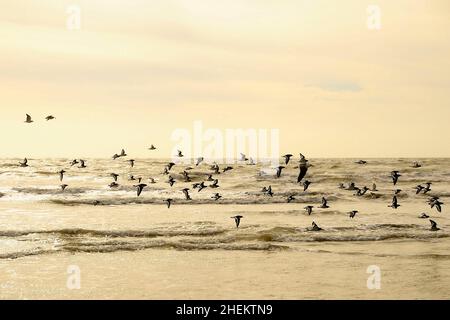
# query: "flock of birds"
(433, 202)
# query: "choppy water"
(37, 218)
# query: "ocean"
(130, 247)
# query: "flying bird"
(61, 175)
(279, 169)
(131, 161)
(139, 188)
(216, 197)
(186, 193)
(152, 147)
(287, 158)
(306, 185)
(434, 226)
(115, 176)
(394, 204)
(237, 220)
(290, 198)
(199, 160)
(395, 175)
(28, 119)
(180, 154)
(48, 118)
(169, 203)
(315, 227)
(324, 203)
(303, 168)
(353, 213)
(309, 210)
(24, 163)
(63, 187)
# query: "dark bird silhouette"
(210, 178)
(279, 169)
(434, 202)
(324, 203)
(61, 175)
(115, 176)
(152, 147)
(395, 175)
(63, 187)
(113, 185)
(180, 154)
(315, 227)
(427, 188)
(139, 188)
(290, 199)
(416, 165)
(227, 169)
(269, 191)
(215, 184)
(287, 158)
(123, 153)
(434, 226)
(394, 204)
(171, 181)
(24, 163)
(169, 203)
(237, 220)
(419, 188)
(353, 213)
(216, 197)
(82, 164)
(170, 165)
(48, 118)
(115, 156)
(303, 168)
(374, 187)
(306, 185)
(201, 186)
(74, 162)
(361, 162)
(186, 193)
(424, 216)
(309, 210)
(131, 161)
(28, 119)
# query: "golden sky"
(138, 70)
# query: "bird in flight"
(434, 226)
(28, 119)
(24, 163)
(152, 147)
(303, 168)
(237, 220)
(139, 188)
(48, 118)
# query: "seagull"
(237, 219)
(115, 176)
(434, 226)
(201, 186)
(113, 185)
(424, 216)
(434, 202)
(180, 154)
(216, 197)
(279, 169)
(361, 162)
(395, 175)
(186, 193)
(24, 163)
(216, 168)
(131, 161)
(210, 178)
(374, 187)
(49, 118)
(361, 192)
(169, 203)
(171, 181)
(309, 209)
(82, 164)
(341, 186)
(215, 184)
(427, 188)
(123, 153)
(351, 186)
(394, 204)
(199, 160)
(28, 120)
(290, 198)
(227, 169)
(306, 185)
(251, 162)
(115, 156)
(63, 187)
(315, 227)
(324, 203)
(61, 175)
(74, 162)
(419, 188)
(287, 158)
(152, 181)
(353, 213)
(152, 147)
(170, 165)
(303, 168)
(140, 187)
(243, 157)
(397, 191)
(269, 191)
